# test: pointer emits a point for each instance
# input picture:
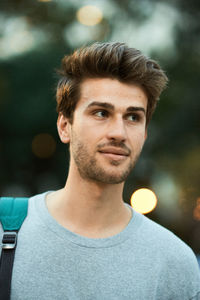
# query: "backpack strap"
(13, 211)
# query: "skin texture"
(106, 137)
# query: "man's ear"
(63, 126)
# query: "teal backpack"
(13, 212)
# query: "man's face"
(108, 130)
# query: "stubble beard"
(89, 168)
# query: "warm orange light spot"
(43, 145)
(143, 200)
(89, 15)
(196, 211)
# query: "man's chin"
(105, 174)
(112, 178)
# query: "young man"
(83, 242)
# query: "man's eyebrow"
(102, 104)
(136, 108)
(111, 107)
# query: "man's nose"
(117, 130)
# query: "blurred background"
(35, 35)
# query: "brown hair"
(108, 60)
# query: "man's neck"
(89, 209)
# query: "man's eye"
(101, 113)
(133, 117)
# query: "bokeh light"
(89, 15)
(43, 145)
(143, 200)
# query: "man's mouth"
(114, 153)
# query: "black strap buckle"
(9, 240)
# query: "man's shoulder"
(165, 242)
(155, 231)
(171, 253)
(31, 200)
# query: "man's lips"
(113, 151)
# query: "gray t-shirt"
(143, 262)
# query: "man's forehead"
(112, 92)
(104, 84)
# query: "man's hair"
(108, 60)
